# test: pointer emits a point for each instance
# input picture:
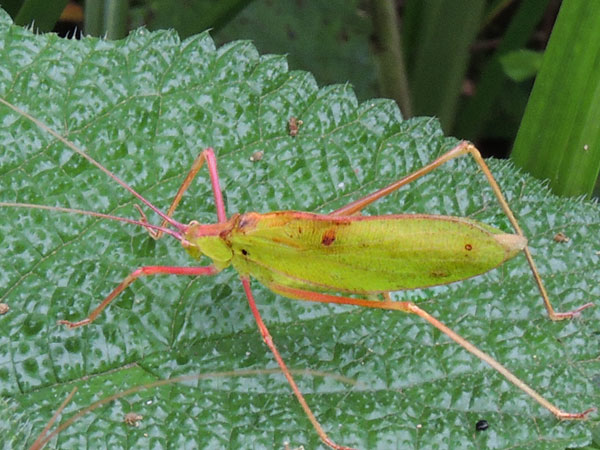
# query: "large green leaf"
(146, 107)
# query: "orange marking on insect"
(247, 222)
(328, 237)
(439, 273)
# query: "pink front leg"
(142, 271)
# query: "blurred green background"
(471, 63)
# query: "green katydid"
(308, 256)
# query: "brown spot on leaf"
(328, 237)
(468, 247)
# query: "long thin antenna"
(73, 147)
(175, 234)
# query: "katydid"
(316, 257)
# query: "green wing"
(365, 254)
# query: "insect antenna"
(181, 227)
(175, 234)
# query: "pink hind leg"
(269, 341)
(410, 307)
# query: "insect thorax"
(208, 240)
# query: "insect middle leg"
(286, 372)
(464, 148)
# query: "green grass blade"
(475, 110)
(559, 138)
(388, 54)
(442, 54)
(115, 18)
(93, 17)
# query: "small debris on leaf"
(257, 156)
(132, 419)
(482, 425)
(294, 125)
(561, 237)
